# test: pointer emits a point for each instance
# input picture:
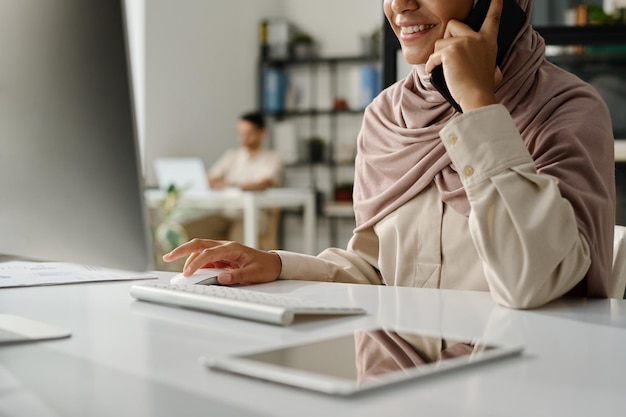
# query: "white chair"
(619, 263)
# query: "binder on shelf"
(275, 90)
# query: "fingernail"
(226, 278)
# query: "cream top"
(238, 166)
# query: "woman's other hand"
(244, 265)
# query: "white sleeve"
(525, 232)
(222, 165)
(357, 264)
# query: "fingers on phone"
(491, 25)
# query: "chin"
(414, 59)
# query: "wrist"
(476, 101)
(278, 263)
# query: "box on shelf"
(279, 34)
(285, 141)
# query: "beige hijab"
(563, 122)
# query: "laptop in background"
(184, 173)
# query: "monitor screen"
(71, 188)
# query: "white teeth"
(416, 28)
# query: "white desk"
(620, 150)
(129, 358)
(251, 202)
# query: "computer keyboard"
(237, 302)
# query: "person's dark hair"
(256, 118)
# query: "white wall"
(336, 24)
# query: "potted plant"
(303, 46)
(168, 233)
(371, 43)
(316, 147)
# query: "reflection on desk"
(381, 351)
(250, 202)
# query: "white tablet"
(362, 360)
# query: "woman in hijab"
(515, 196)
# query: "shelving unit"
(583, 35)
(319, 117)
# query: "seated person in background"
(516, 196)
(249, 167)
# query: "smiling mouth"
(409, 30)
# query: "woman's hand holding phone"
(468, 59)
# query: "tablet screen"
(362, 360)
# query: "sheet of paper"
(26, 274)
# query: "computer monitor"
(70, 187)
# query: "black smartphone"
(512, 20)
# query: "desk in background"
(620, 150)
(251, 202)
(133, 358)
